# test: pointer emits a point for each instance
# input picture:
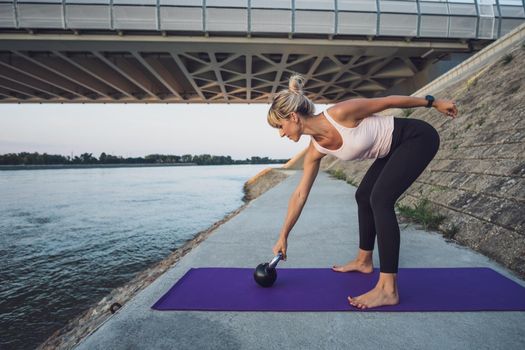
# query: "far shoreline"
(90, 166)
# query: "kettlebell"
(265, 273)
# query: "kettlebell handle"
(275, 260)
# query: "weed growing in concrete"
(472, 82)
(438, 188)
(338, 174)
(407, 112)
(422, 213)
(507, 58)
(349, 181)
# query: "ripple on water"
(39, 220)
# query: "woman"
(351, 130)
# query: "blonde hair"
(290, 100)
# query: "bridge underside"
(154, 69)
(236, 51)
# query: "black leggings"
(414, 144)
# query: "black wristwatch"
(430, 100)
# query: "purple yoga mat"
(321, 289)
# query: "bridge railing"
(485, 19)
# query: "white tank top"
(371, 138)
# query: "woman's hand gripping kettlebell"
(280, 246)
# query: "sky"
(133, 130)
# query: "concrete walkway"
(325, 234)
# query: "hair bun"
(296, 84)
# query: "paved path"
(325, 234)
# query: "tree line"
(35, 158)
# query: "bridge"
(236, 51)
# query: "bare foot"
(374, 298)
(355, 265)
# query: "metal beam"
(339, 71)
(104, 74)
(187, 74)
(126, 70)
(249, 76)
(279, 68)
(214, 66)
(7, 91)
(74, 74)
(47, 74)
(409, 64)
(89, 72)
(160, 72)
(17, 87)
(117, 41)
(26, 79)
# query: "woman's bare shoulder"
(338, 113)
(354, 109)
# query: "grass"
(349, 181)
(436, 188)
(338, 174)
(422, 213)
(507, 58)
(407, 112)
(472, 82)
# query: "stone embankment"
(86, 323)
(477, 179)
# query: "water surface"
(70, 236)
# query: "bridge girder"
(150, 69)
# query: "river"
(70, 236)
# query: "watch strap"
(430, 100)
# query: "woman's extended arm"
(397, 101)
(447, 107)
(358, 108)
(298, 199)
